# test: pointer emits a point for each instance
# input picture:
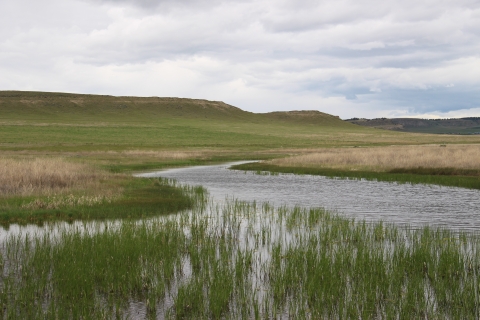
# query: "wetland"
(380, 230)
(247, 249)
(402, 203)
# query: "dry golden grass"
(49, 176)
(57, 202)
(164, 155)
(391, 157)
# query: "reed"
(452, 165)
(140, 198)
(36, 190)
(163, 154)
(389, 157)
(241, 260)
(47, 176)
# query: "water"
(415, 205)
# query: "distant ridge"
(467, 125)
(303, 116)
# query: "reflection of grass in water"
(440, 176)
(241, 260)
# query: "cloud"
(373, 57)
(162, 5)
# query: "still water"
(415, 205)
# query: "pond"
(415, 205)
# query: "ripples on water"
(416, 205)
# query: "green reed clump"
(71, 274)
(240, 260)
(96, 272)
(386, 272)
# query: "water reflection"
(416, 205)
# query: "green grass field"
(49, 122)
(444, 130)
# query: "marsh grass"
(36, 190)
(47, 176)
(141, 198)
(69, 201)
(462, 158)
(242, 260)
(447, 165)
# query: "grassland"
(52, 123)
(129, 133)
(69, 157)
(107, 136)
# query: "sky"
(350, 58)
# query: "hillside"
(62, 122)
(76, 108)
(304, 117)
(446, 126)
(53, 107)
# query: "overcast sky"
(351, 58)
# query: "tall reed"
(242, 260)
(46, 176)
(389, 157)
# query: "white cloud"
(368, 58)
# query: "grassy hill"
(81, 108)
(78, 108)
(62, 122)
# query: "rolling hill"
(62, 107)
(60, 122)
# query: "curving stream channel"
(415, 205)
(256, 232)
